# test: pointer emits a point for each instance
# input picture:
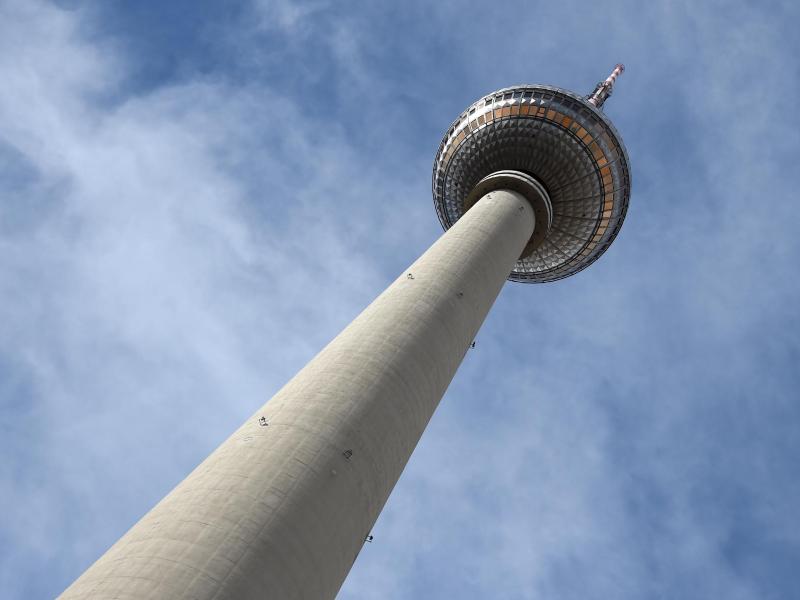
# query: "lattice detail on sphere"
(567, 144)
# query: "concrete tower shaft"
(281, 509)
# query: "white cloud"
(288, 16)
(176, 267)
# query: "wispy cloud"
(160, 256)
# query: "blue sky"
(196, 196)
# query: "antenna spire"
(603, 89)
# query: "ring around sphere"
(532, 190)
(567, 145)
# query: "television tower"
(531, 183)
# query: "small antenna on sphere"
(604, 88)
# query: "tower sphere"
(566, 144)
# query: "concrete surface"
(281, 511)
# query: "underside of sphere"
(567, 145)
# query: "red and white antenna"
(604, 88)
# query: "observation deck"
(562, 140)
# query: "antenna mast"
(604, 88)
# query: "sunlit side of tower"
(531, 184)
